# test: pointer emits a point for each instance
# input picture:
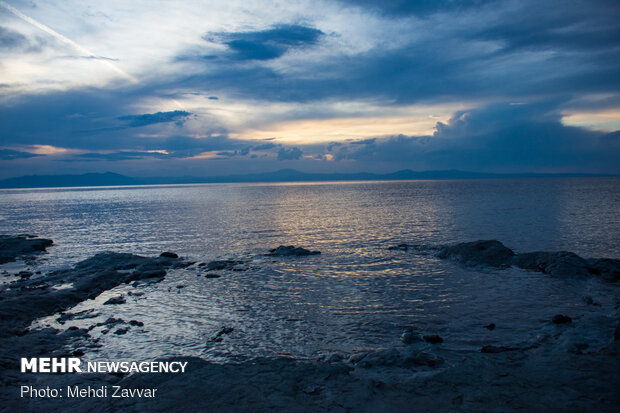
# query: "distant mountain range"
(283, 175)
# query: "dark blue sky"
(224, 87)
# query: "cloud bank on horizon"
(220, 87)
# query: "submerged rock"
(490, 326)
(488, 252)
(561, 319)
(433, 339)
(399, 247)
(291, 251)
(409, 336)
(495, 349)
(562, 263)
(224, 265)
(21, 246)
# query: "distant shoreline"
(109, 179)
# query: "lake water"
(357, 295)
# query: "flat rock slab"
(13, 247)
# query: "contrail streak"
(65, 39)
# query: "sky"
(220, 87)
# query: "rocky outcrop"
(26, 300)
(21, 246)
(490, 252)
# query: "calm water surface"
(357, 295)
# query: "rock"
(212, 275)
(121, 331)
(561, 319)
(433, 339)
(562, 263)
(180, 286)
(25, 274)
(224, 330)
(495, 349)
(424, 359)
(490, 326)
(223, 265)
(136, 323)
(78, 353)
(490, 252)
(291, 251)
(116, 300)
(110, 322)
(607, 268)
(21, 246)
(168, 254)
(399, 247)
(409, 336)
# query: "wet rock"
(111, 322)
(607, 268)
(180, 286)
(495, 349)
(78, 353)
(121, 331)
(561, 263)
(24, 274)
(291, 251)
(136, 323)
(561, 319)
(168, 254)
(116, 300)
(224, 330)
(212, 275)
(21, 246)
(433, 339)
(490, 326)
(223, 265)
(488, 252)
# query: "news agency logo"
(75, 365)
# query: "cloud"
(267, 44)
(500, 138)
(289, 154)
(8, 154)
(151, 118)
(10, 39)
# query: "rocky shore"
(555, 372)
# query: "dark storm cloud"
(417, 7)
(266, 44)
(151, 118)
(289, 154)
(7, 154)
(500, 137)
(503, 49)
